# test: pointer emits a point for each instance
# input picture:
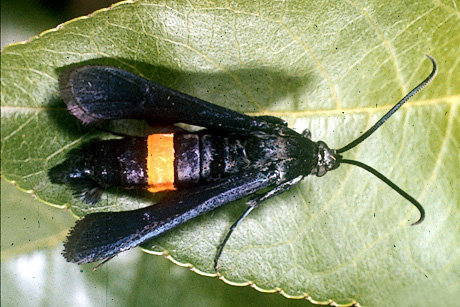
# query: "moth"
(236, 156)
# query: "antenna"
(380, 122)
(391, 184)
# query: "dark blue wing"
(96, 93)
(100, 236)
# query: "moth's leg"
(254, 203)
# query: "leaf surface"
(334, 69)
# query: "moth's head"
(328, 159)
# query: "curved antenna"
(380, 122)
(392, 185)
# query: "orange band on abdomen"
(160, 162)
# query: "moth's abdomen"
(102, 164)
(203, 157)
(160, 162)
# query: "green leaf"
(334, 69)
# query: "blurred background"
(22, 19)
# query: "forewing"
(97, 93)
(99, 236)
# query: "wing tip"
(66, 87)
(82, 244)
